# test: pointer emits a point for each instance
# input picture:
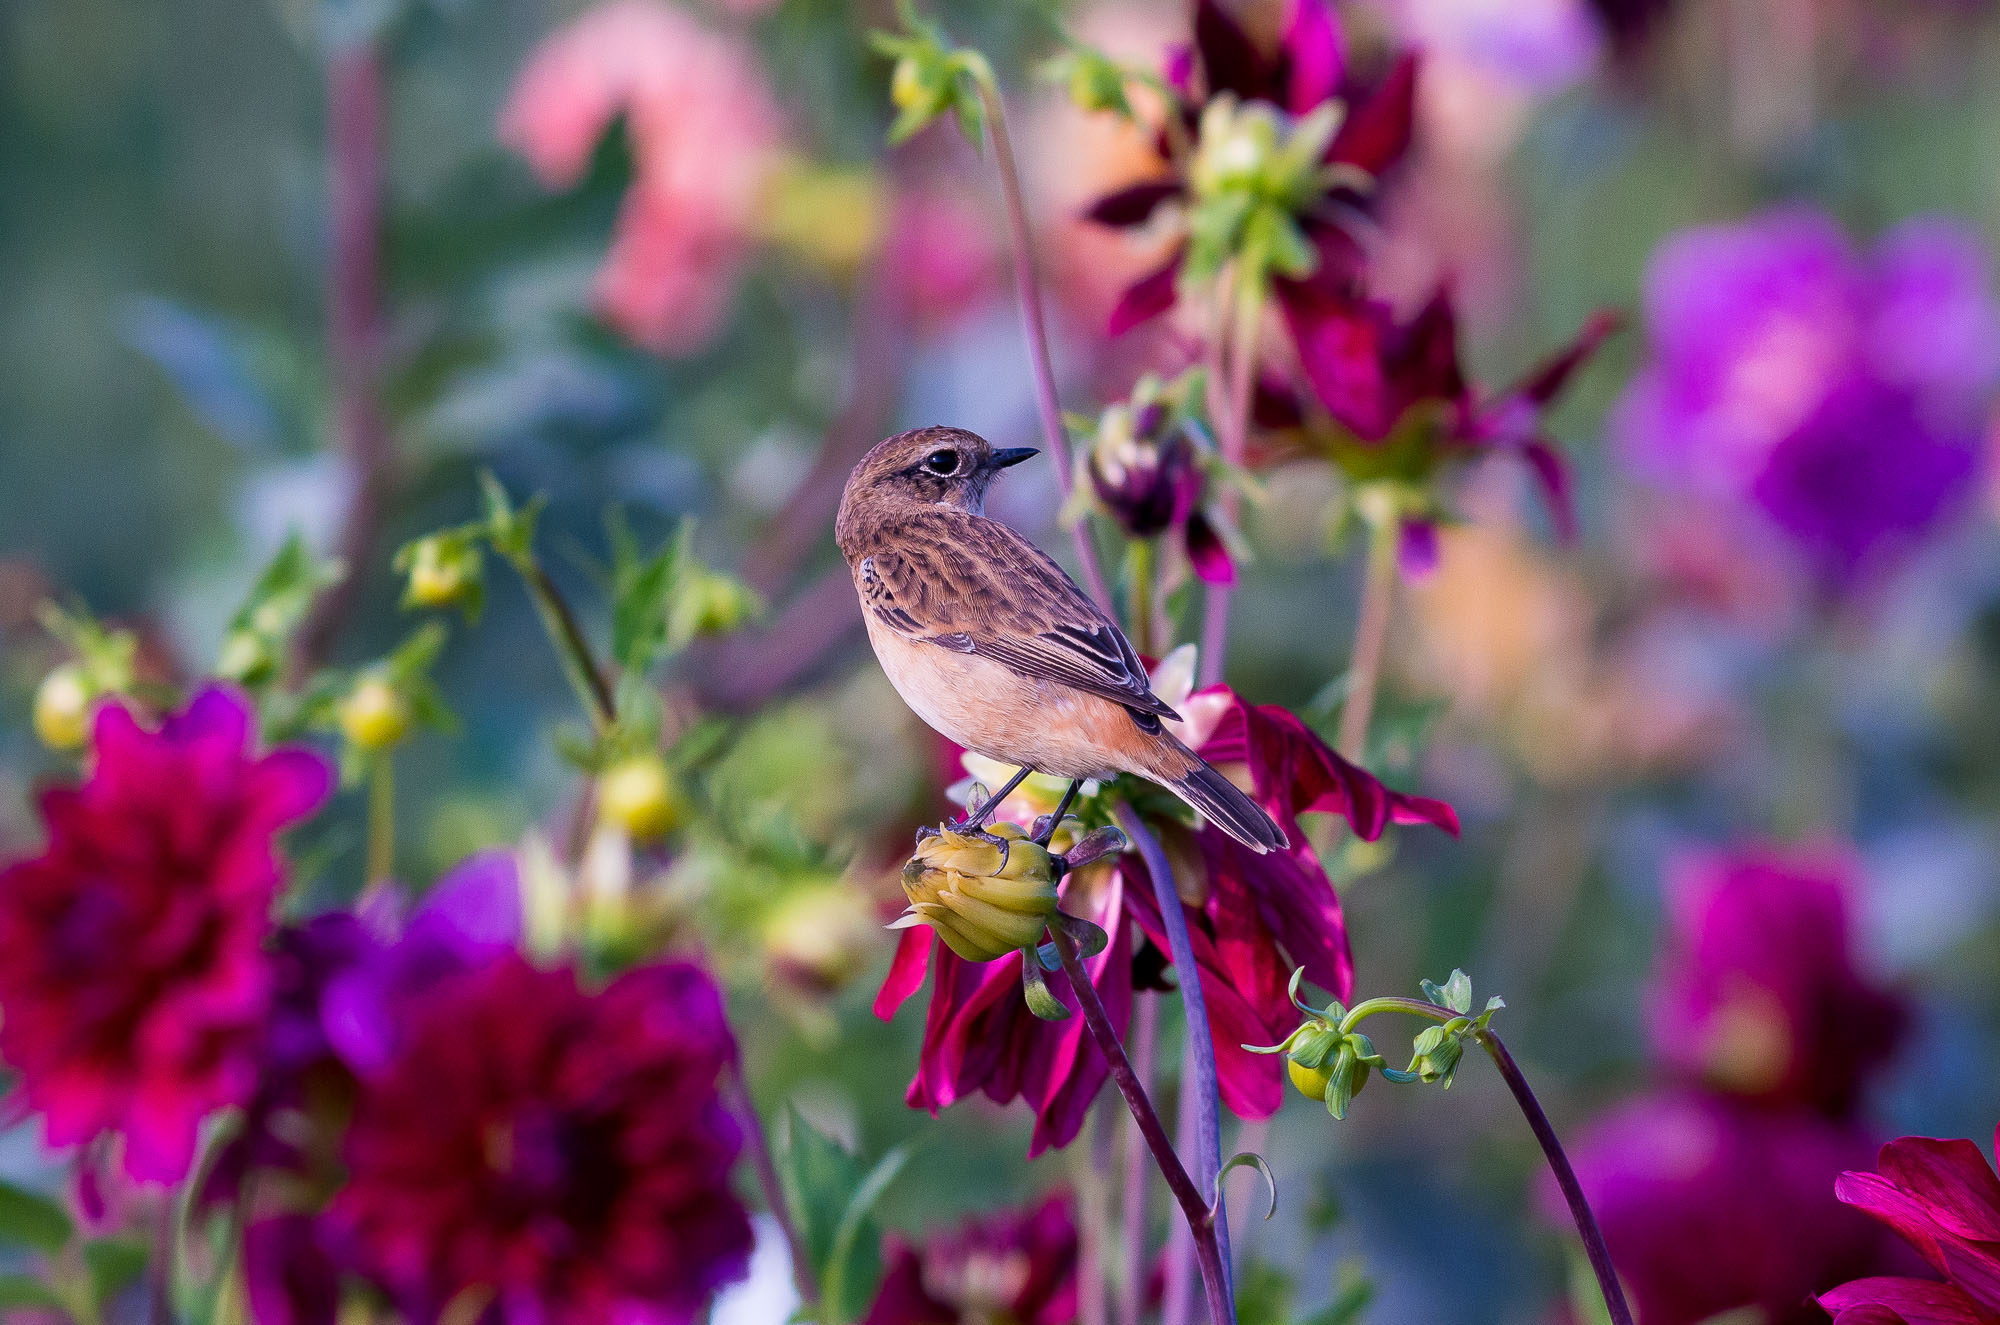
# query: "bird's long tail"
(1222, 801)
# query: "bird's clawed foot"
(1045, 827)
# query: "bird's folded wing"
(978, 587)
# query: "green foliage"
(254, 643)
(832, 1200)
(932, 77)
(1267, 1295)
(29, 1219)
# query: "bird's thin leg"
(975, 820)
(1062, 808)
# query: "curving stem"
(1028, 289)
(1194, 1207)
(1545, 1133)
(1201, 1093)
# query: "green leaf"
(1455, 993)
(30, 1219)
(1041, 1000)
(854, 1269)
(831, 1204)
(1355, 1294)
(276, 606)
(115, 1264)
(23, 1290)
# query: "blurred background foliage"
(166, 419)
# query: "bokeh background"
(1688, 676)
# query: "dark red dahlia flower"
(549, 1154)
(133, 977)
(1710, 1206)
(1018, 1267)
(1309, 67)
(1758, 994)
(1942, 1199)
(344, 983)
(1258, 918)
(1400, 404)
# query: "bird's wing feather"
(973, 585)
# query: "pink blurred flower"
(559, 1155)
(133, 979)
(943, 256)
(703, 127)
(1709, 1205)
(1840, 397)
(1942, 1199)
(1018, 1267)
(1758, 993)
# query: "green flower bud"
(246, 657)
(444, 571)
(920, 87)
(1434, 1054)
(717, 604)
(986, 894)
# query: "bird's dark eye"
(941, 462)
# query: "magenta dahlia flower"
(1018, 1266)
(1258, 918)
(1942, 1199)
(134, 983)
(554, 1155)
(1759, 994)
(1308, 66)
(1712, 1205)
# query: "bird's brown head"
(922, 467)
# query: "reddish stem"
(1028, 289)
(1193, 1206)
(737, 1091)
(354, 128)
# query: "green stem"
(1139, 567)
(1538, 1122)
(1371, 635)
(1230, 402)
(381, 818)
(571, 647)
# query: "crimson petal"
(1147, 297)
(1376, 133)
(1132, 205)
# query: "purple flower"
(550, 1154)
(1758, 994)
(1709, 1205)
(134, 983)
(1018, 1266)
(1942, 1199)
(1840, 395)
(344, 986)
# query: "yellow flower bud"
(1311, 1081)
(985, 895)
(442, 572)
(637, 796)
(374, 716)
(62, 708)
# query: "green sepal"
(1035, 991)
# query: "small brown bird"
(991, 643)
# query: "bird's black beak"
(1011, 455)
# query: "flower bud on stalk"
(63, 703)
(1143, 469)
(374, 715)
(637, 796)
(444, 571)
(986, 894)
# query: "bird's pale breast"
(993, 710)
